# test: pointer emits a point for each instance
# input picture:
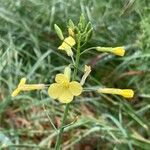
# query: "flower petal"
(70, 41)
(61, 78)
(22, 82)
(64, 46)
(15, 92)
(55, 90)
(127, 93)
(120, 51)
(75, 88)
(66, 96)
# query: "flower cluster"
(64, 89)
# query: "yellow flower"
(26, 87)
(87, 71)
(127, 93)
(63, 89)
(120, 51)
(67, 44)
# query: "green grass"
(28, 47)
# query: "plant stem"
(77, 60)
(59, 137)
(88, 49)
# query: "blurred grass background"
(28, 48)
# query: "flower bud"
(120, 51)
(59, 32)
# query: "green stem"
(61, 128)
(77, 60)
(59, 137)
(88, 49)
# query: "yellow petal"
(66, 96)
(75, 88)
(64, 46)
(67, 43)
(61, 78)
(15, 92)
(127, 93)
(55, 90)
(120, 51)
(22, 82)
(70, 41)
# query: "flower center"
(66, 84)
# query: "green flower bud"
(71, 24)
(89, 35)
(59, 32)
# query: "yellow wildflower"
(67, 44)
(120, 51)
(63, 89)
(127, 93)
(26, 87)
(87, 71)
